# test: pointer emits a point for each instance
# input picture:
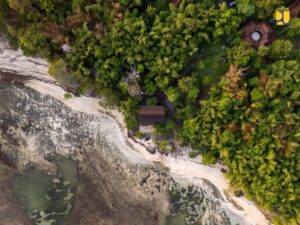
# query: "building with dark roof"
(150, 115)
(295, 9)
(258, 34)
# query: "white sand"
(182, 167)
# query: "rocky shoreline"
(42, 122)
(30, 133)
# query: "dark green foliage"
(50, 5)
(79, 3)
(265, 8)
(152, 101)
(21, 6)
(4, 9)
(81, 60)
(212, 65)
(56, 9)
(165, 129)
(133, 42)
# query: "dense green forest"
(234, 104)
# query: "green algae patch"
(47, 199)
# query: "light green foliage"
(189, 86)
(280, 49)
(257, 136)
(227, 21)
(294, 28)
(58, 70)
(245, 7)
(67, 95)
(188, 131)
(164, 146)
(173, 94)
(263, 51)
(48, 5)
(32, 41)
(241, 55)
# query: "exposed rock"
(34, 126)
(117, 185)
(152, 150)
(223, 170)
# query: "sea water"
(47, 198)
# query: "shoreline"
(181, 168)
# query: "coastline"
(181, 168)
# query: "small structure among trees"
(295, 9)
(150, 115)
(258, 34)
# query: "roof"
(264, 29)
(149, 115)
(295, 9)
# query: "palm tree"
(66, 48)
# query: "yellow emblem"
(282, 17)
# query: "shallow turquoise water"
(47, 199)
